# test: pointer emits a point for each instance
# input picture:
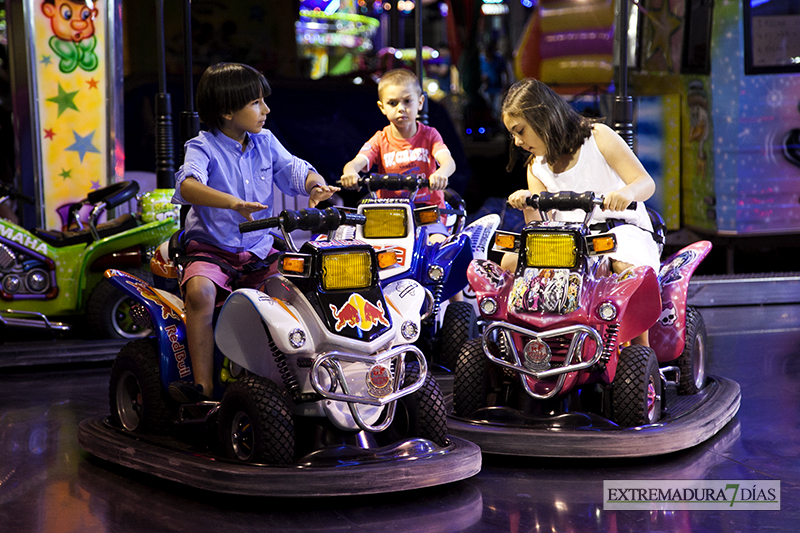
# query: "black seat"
(59, 239)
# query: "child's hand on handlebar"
(349, 181)
(320, 193)
(517, 198)
(437, 182)
(617, 200)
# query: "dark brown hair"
(561, 128)
(226, 88)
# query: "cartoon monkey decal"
(73, 40)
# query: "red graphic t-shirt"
(414, 156)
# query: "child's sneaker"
(187, 392)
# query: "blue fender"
(168, 325)
(453, 256)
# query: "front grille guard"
(330, 363)
(580, 334)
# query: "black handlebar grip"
(255, 225)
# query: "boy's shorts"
(220, 276)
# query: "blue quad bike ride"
(438, 264)
(53, 279)
(319, 389)
(554, 373)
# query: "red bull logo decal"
(178, 351)
(359, 313)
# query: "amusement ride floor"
(48, 484)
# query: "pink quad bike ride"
(556, 353)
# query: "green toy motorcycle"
(47, 276)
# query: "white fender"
(241, 336)
(480, 234)
(404, 299)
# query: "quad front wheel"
(637, 387)
(255, 423)
(418, 415)
(137, 401)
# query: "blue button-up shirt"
(216, 160)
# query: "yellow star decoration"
(665, 23)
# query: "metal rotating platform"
(331, 471)
(687, 421)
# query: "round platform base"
(333, 471)
(688, 421)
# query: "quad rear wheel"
(136, 398)
(692, 361)
(108, 311)
(458, 326)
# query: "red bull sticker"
(178, 351)
(379, 380)
(359, 313)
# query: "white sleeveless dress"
(635, 244)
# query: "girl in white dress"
(569, 152)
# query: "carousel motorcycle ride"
(557, 353)
(438, 265)
(51, 275)
(313, 371)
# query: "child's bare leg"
(509, 262)
(642, 339)
(201, 296)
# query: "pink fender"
(668, 335)
(636, 296)
(487, 279)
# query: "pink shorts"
(220, 276)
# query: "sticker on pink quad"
(550, 290)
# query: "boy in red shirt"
(404, 146)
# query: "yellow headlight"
(346, 270)
(551, 250)
(385, 223)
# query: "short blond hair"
(398, 77)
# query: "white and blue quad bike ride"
(555, 373)
(439, 265)
(319, 389)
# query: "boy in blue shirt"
(227, 177)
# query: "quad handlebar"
(392, 182)
(568, 201)
(314, 220)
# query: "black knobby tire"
(418, 415)
(108, 311)
(692, 361)
(136, 398)
(471, 382)
(637, 387)
(458, 326)
(255, 423)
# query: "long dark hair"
(226, 88)
(552, 118)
